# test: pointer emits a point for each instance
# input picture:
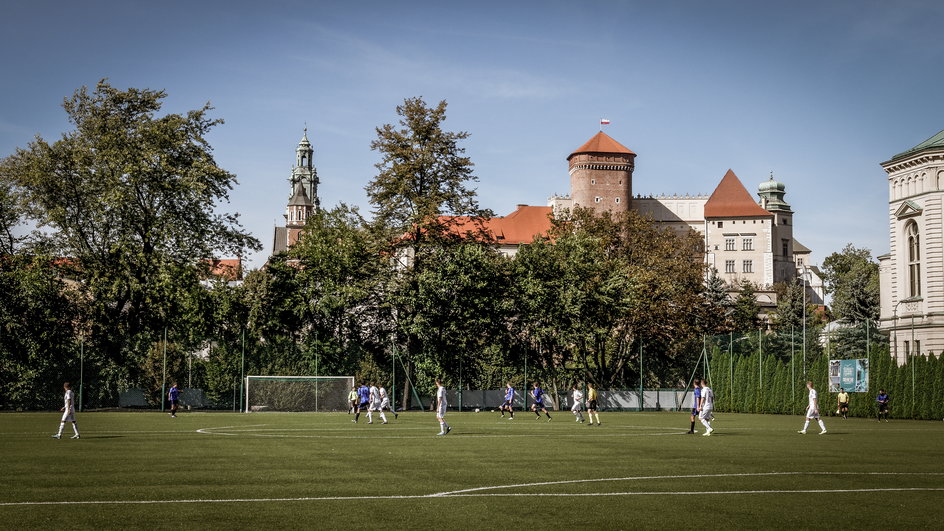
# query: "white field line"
(686, 476)
(235, 431)
(470, 493)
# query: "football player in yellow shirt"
(842, 403)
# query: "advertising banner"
(850, 375)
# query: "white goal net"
(298, 393)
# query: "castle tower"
(601, 174)
(304, 171)
(771, 194)
(299, 209)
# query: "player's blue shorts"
(539, 405)
(695, 412)
(363, 405)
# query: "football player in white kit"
(441, 408)
(812, 411)
(68, 412)
(578, 399)
(385, 403)
(706, 407)
(375, 405)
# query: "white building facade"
(912, 273)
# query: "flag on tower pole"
(604, 121)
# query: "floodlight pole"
(242, 371)
(81, 368)
(164, 372)
(911, 352)
(393, 373)
(792, 368)
(642, 398)
(760, 362)
(804, 320)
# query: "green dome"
(771, 186)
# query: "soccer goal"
(298, 393)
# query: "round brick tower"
(601, 174)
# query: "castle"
(744, 239)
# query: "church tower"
(601, 174)
(299, 209)
(303, 201)
(304, 171)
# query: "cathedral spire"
(304, 171)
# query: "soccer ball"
(477, 410)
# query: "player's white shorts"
(374, 406)
(68, 415)
(812, 413)
(385, 403)
(441, 412)
(705, 414)
(576, 407)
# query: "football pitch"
(637, 470)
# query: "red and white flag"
(604, 121)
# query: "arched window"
(914, 259)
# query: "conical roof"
(731, 200)
(602, 143)
(300, 197)
(935, 142)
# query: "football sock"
(821, 425)
(357, 416)
(370, 416)
(61, 426)
(693, 426)
(382, 417)
(705, 422)
(75, 428)
(806, 424)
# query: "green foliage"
(744, 312)
(131, 198)
(852, 277)
(37, 348)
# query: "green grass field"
(637, 470)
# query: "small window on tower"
(593, 181)
(617, 200)
(720, 224)
(596, 199)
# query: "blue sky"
(817, 92)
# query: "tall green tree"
(131, 196)
(852, 277)
(423, 182)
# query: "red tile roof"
(602, 143)
(519, 227)
(731, 200)
(226, 268)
